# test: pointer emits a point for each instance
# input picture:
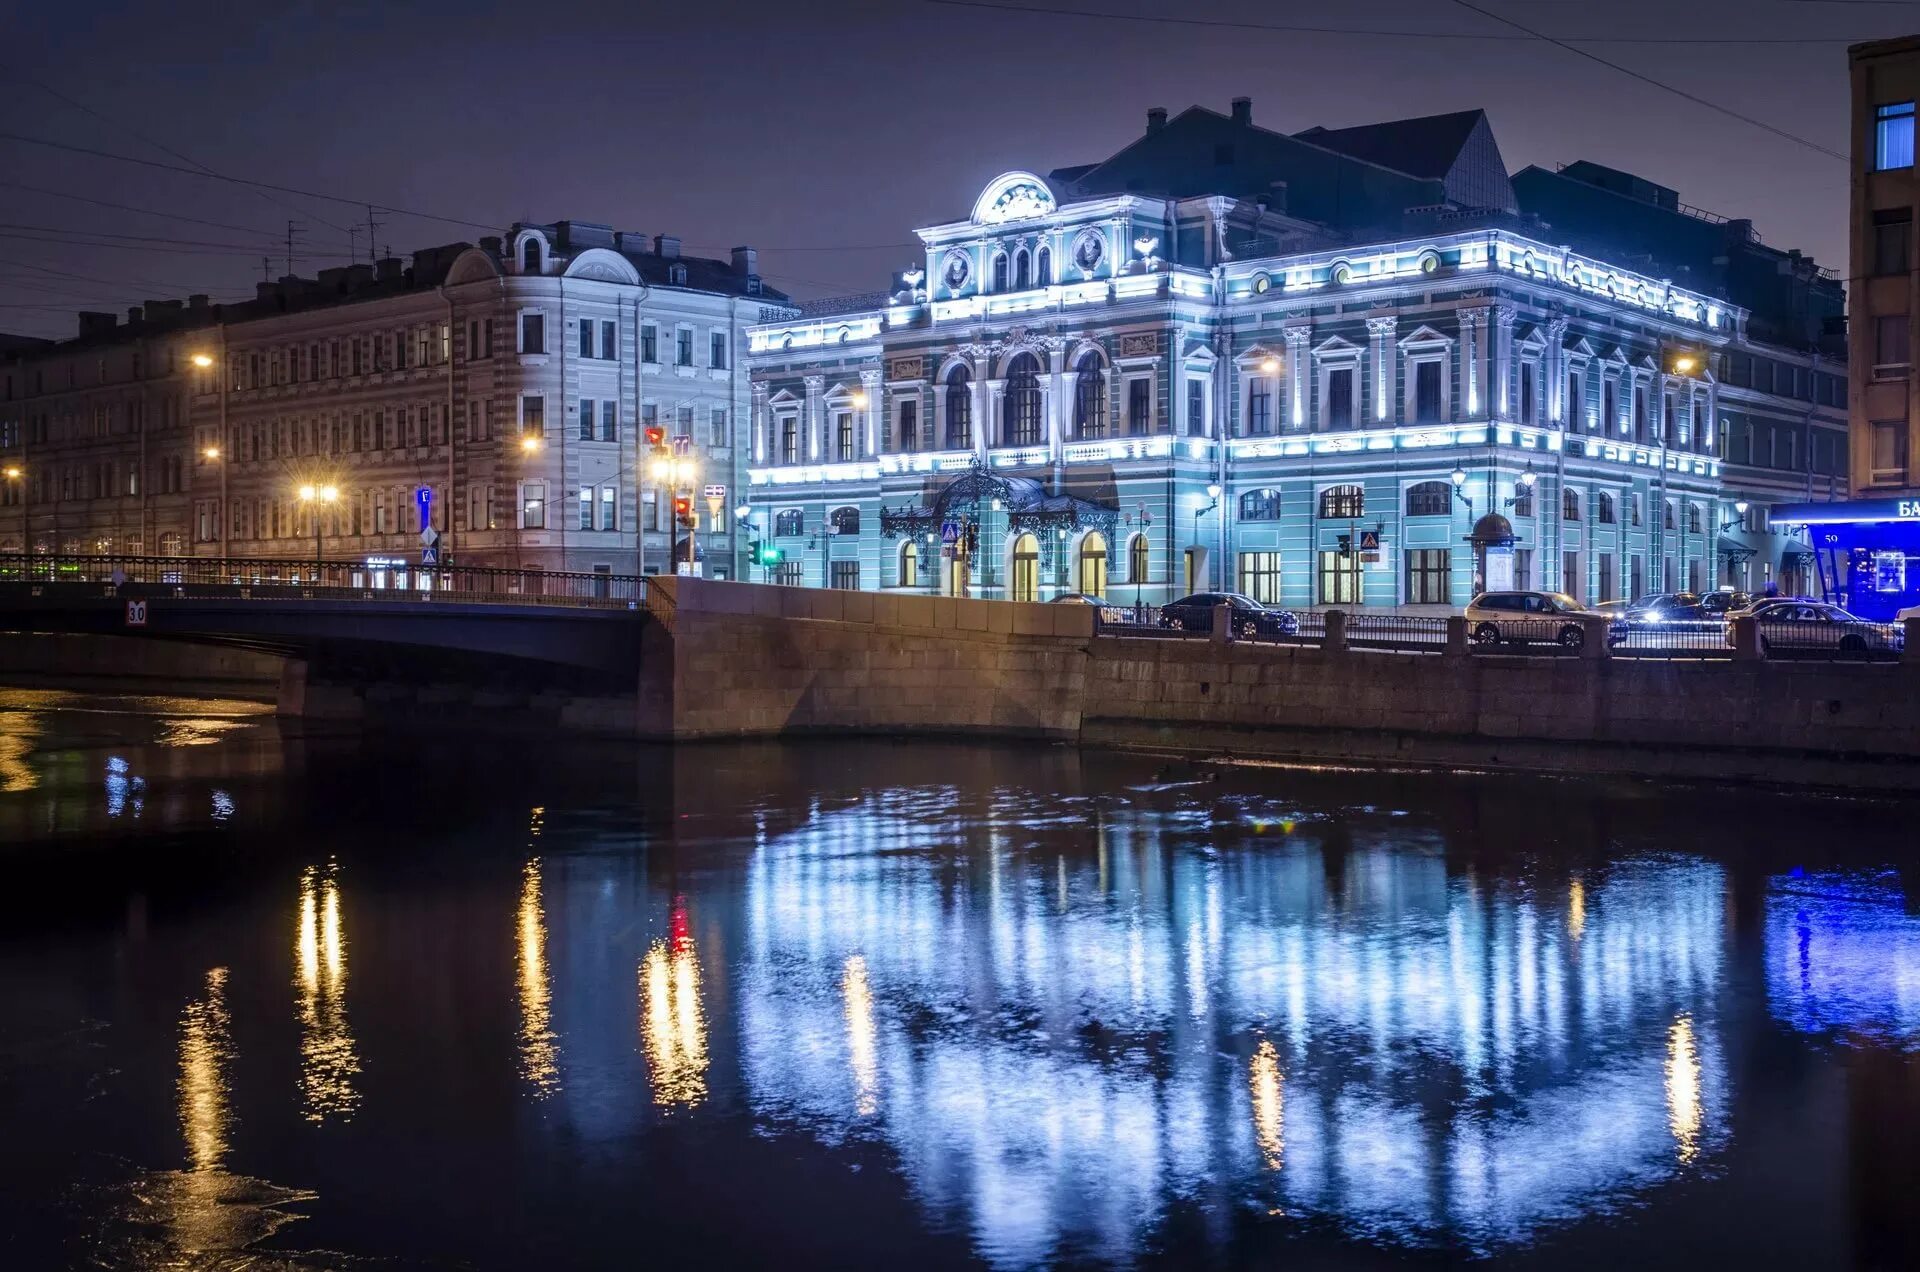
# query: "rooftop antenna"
(372, 225)
(293, 228)
(353, 242)
(266, 269)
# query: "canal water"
(278, 1001)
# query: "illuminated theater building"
(1363, 366)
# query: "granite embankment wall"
(116, 664)
(743, 660)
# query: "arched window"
(1043, 268)
(1603, 508)
(909, 564)
(1000, 272)
(1089, 396)
(1569, 505)
(1343, 502)
(1260, 505)
(1429, 499)
(1022, 270)
(844, 520)
(1022, 406)
(1093, 564)
(959, 409)
(1023, 572)
(1137, 559)
(172, 544)
(787, 524)
(1668, 514)
(530, 256)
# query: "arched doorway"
(1093, 564)
(1023, 572)
(909, 564)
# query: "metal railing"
(1793, 640)
(281, 577)
(1531, 637)
(1689, 638)
(1408, 633)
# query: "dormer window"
(530, 256)
(677, 275)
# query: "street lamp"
(529, 442)
(1459, 480)
(205, 361)
(317, 497)
(1740, 507)
(1145, 522)
(1213, 497)
(1521, 487)
(14, 473)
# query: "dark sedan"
(1250, 619)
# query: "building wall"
(1882, 389)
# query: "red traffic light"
(682, 506)
(656, 436)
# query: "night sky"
(820, 132)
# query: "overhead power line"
(128, 207)
(1231, 24)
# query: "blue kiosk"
(1866, 552)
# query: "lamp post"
(1740, 507)
(1459, 479)
(317, 497)
(16, 475)
(1522, 487)
(1213, 497)
(1145, 522)
(207, 362)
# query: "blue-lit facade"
(1866, 552)
(1079, 375)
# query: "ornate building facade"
(1334, 368)
(505, 387)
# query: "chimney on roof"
(666, 245)
(1243, 111)
(1156, 119)
(746, 262)
(490, 245)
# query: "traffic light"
(683, 511)
(1346, 545)
(656, 436)
(973, 538)
(768, 555)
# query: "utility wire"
(1295, 29)
(1659, 84)
(128, 207)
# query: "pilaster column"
(1556, 371)
(1473, 324)
(1502, 387)
(1713, 415)
(876, 397)
(1380, 336)
(1657, 411)
(930, 396)
(762, 442)
(986, 420)
(1299, 378)
(814, 383)
(1056, 403)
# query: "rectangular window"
(717, 350)
(609, 507)
(1523, 568)
(845, 576)
(586, 337)
(1571, 579)
(843, 436)
(609, 421)
(1576, 403)
(533, 333)
(1196, 408)
(684, 419)
(533, 505)
(909, 424)
(1609, 407)
(1339, 578)
(479, 507)
(1607, 590)
(1429, 576)
(789, 439)
(586, 419)
(533, 414)
(1526, 392)
(787, 574)
(1259, 408)
(649, 343)
(1889, 466)
(1260, 576)
(1893, 136)
(1340, 398)
(1892, 357)
(1426, 392)
(683, 347)
(610, 340)
(586, 507)
(1139, 406)
(719, 425)
(1639, 413)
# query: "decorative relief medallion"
(1141, 344)
(1088, 251)
(958, 270)
(906, 368)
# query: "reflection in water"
(125, 792)
(328, 1060)
(539, 1044)
(1431, 1052)
(18, 730)
(1576, 908)
(1843, 956)
(206, 1049)
(195, 730)
(859, 997)
(672, 1019)
(1683, 1089)
(1269, 1107)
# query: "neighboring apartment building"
(1885, 411)
(505, 387)
(1339, 367)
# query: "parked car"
(1666, 607)
(1760, 604)
(1522, 617)
(1250, 618)
(1109, 612)
(1719, 604)
(1819, 626)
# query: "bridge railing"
(398, 580)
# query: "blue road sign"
(1369, 540)
(949, 532)
(423, 500)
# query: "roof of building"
(1425, 147)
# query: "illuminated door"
(1026, 568)
(1093, 565)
